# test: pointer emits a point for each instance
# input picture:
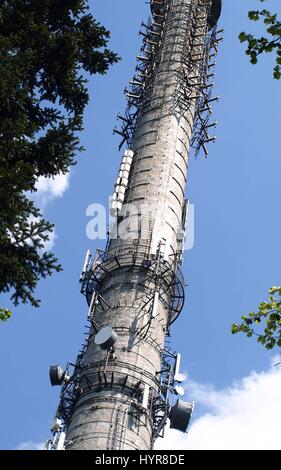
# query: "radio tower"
(116, 395)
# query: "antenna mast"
(116, 395)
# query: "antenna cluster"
(195, 85)
(149, 394)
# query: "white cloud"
(49, 189)
(245, 416)
(30, 445)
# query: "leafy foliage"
(265, 44)
(4, 314)
(47, 47)
(268, 317)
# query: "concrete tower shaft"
(135, 286)
(155, 197)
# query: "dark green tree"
(48, 48)
(270, 42)
(264, 324)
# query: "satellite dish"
(180, 415)
(57, 375)
(179, 390)
(106, 338)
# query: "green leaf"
(243, 37)
(268, 318)
(254, 59)
(268, 43)
(254, 15)
(277, 73)
(5, 314)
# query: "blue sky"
(236, 256)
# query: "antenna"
(87, 257)
(180, 415)
(155, 304)
(178, 377)
(145, 396)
